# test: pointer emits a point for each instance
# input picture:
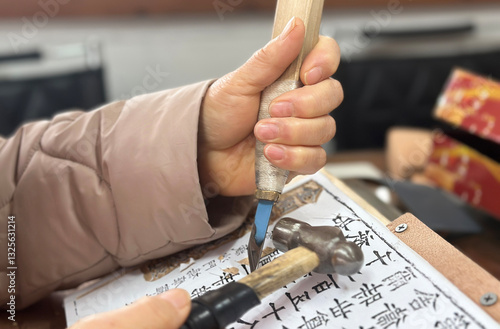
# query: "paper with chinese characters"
(395, 288)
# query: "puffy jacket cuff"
(159, 203)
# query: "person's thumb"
(268, 63)
(166, 311)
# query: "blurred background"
(396, 54)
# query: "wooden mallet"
(307, 248)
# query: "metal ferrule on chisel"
(270, 180)
(267, 195)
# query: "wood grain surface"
(310, 12)
(281, 271)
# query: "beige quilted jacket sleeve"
(92, 191)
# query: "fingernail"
(267, 131)
(177, 297)
(313, 75)
(275, 152)
(281, 109)
(288, 28)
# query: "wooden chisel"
(270, 180)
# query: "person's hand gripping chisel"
(296, 125)
(299, 124)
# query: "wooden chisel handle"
(270, 180)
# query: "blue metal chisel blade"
(262, 216)
(258, 234)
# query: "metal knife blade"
(258, 234)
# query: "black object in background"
(28, 99)
(381, 93)
(438, 209)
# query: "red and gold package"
(472, 103)
(464, 171)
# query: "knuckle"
(297, 159)
(308, 160)
(333, 126)
(333, 53)
(293, 159)
(287, 129)
(329, 129)
(336, 48)
(331, 43)
(316, 159)
(321, 158)
(338, 90)
(335, 84)
(261, 55)
(336, 54)
(306, 103)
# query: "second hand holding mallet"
(322, 249)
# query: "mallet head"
(336, 254)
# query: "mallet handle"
(281, 271)
(270, 179)
(218, 308)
